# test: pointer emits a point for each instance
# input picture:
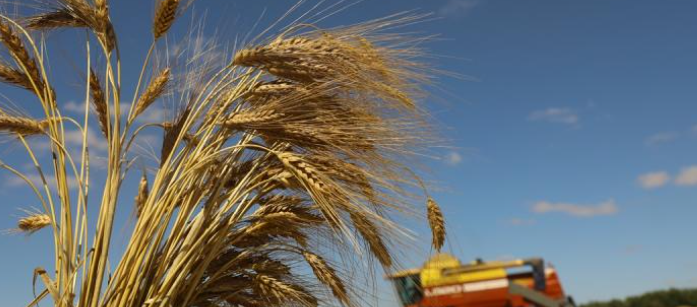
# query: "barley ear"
(437, 223)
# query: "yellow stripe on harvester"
(432, 273)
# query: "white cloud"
(95, 140)
(452, 158)
(74, 107)
(608, 207)
(663, 137)
(555, 115)
(687, 176)
(154, 114)
(653, 180)
(14, 181)
(632, 249)
(521, 222)
(458, 7)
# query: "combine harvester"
(444, 282)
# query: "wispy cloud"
(74, 107)
(454, 8)
(13, 181)
(73, 139)
(632, 249)
(154, 114)
(687, 176)
(653, 180)
(660, 138)
(608, 207)
(555, 115)
(521, 222)
(452, 158)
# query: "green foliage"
(663, 298)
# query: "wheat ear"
(154, 90)
(437, 223)
(164, 17)
(99, 102)
(22, 125)
(142, 195)
(33, 223)
(327, 275)
(16, 47)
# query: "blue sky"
(574, 137)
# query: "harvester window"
(409, 289)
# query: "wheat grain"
(272, 89)
(102, 12)
(302, 169)
(252, 117)
(296, 48)
(301, 71)
(279, 291)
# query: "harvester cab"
(444, 282)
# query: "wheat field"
(285, 164)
